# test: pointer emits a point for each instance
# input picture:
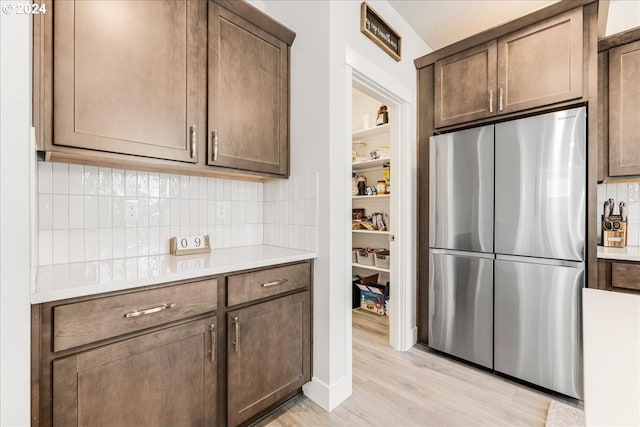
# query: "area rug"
(561, 415)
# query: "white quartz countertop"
(630, 253)
(62, 281)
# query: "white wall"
(325, 30)
(623, 15)
(15, 217)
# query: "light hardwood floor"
(415, 388)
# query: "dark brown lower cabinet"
(164, 378)
(268, 358)
(150, 357)
(621, 276)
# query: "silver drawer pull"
(277, 282)
(163, 307)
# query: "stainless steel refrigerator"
(536, 249)
(461, 244)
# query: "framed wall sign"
(381, 33)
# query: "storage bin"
(365, 257)
(354, 255)
(382, 259)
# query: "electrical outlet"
(131, 210)
(221, 211)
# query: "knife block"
(614, 239)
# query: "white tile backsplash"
(76, 245)
(104, 182)
(45, 211)
(130, 184)
(290, 212)
(91, 180)
(60, 241)
(76, 211)
(91, 244)
(117, 182)
(60, 212)
(82, 212)
(44, 178)
(76, 178)
(60, 178)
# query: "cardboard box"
(372, 298)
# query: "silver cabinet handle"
(491, 101)
(163, 307)
(277, 282)
(236, 341)
(212, 331)
(500, 100)
(194, 141)
(214, 137)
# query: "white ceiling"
(443, 22)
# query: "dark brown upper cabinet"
(130, 77)
(624, 99)
(248, 94)
(541, 64)
(466, 86)
(538, 65)
(180, 86)
(619, 96)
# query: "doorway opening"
(371, 222)
(368, 85)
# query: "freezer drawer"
(461, 305)
(461, 190)
(538, 324)
(540, 176)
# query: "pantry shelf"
(379, 196)
(369, 164)
(371, 232)
(368, 133)
(370, 267)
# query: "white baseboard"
(328, 397)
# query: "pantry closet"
(372, 224)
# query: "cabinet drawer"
(265, 283)
(626, 276)
(89, 321)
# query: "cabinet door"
(624, 97)
(162, 378)
(541, 64)
(130, 76)
(248, 95)
(268, 354)
(465, 86)
(603, 113)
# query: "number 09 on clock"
(185, 245)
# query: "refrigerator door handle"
(463, 253)
(543, 261)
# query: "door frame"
(370, 79)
